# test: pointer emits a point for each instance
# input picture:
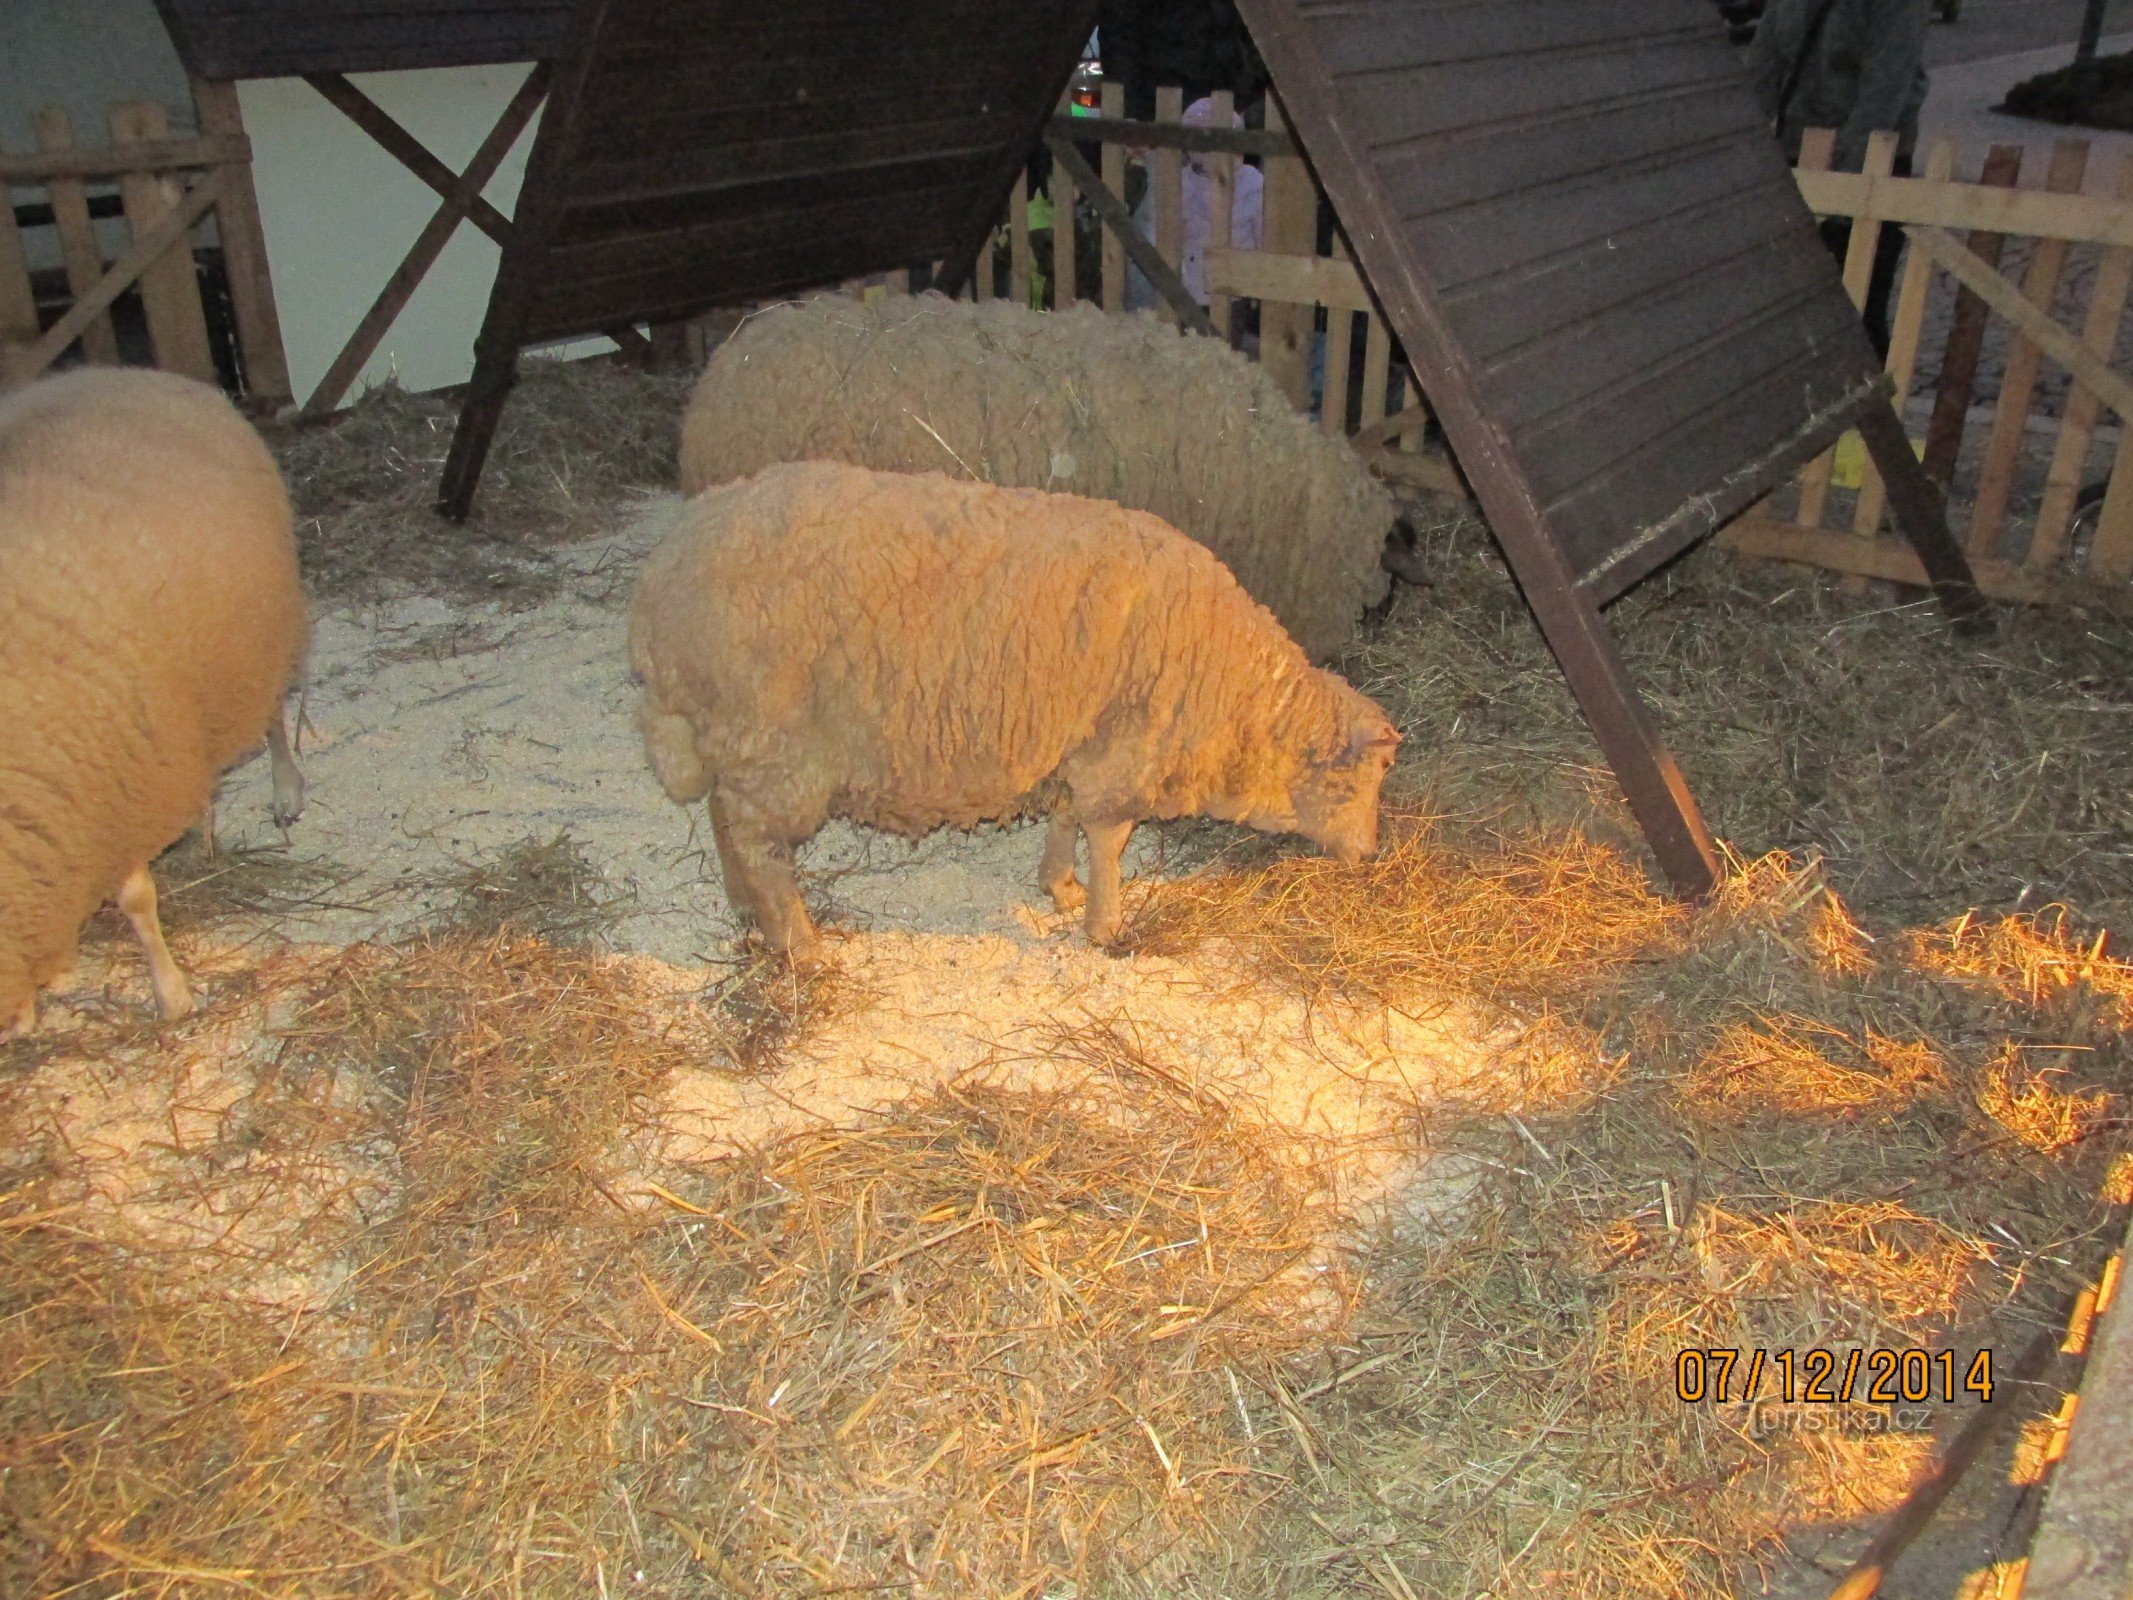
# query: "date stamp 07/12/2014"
(1907, 1382)
(1830, 1377)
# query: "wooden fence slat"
(1816, 150)
(1066, 287)
(18, 304)
(1904, 331)
(1288, 225)
(984, 285)
(1019, 258)
(1340, 340)
(244, 250)
(142, 253)
(2099, 335)
(1221, 170)
(1113, 173)
(78, 248)
(1377, 370)
(2022, 213)
(138, 155)
(1119, 223)
(1966, 335)
(2110, 562)
(1166, 178)
(170, 287)
(2010, 421)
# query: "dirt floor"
(503, 1225)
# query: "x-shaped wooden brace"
(461, 200)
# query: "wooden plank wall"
(227, 39)
(2017, 469)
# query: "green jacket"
(1864, 70)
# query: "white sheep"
(914, 651)
(151, 619)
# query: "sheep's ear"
(1365, 737)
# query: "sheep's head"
(1335, 794)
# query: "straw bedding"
(409, 1296)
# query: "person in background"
(1246, 198)
(1857, 66)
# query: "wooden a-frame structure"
(1571, 213)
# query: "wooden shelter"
(1571, 214)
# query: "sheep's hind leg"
(1055, 873)
(137, 899)
(760, 882)
(288, 777)
(1107, 843)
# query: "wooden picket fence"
(2014, 473)
(167, 188)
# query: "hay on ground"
(576, 440)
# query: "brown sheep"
(151, 619)
(911, 652)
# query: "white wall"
(339, 214)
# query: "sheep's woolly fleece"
(1080, 402)
(437, 737)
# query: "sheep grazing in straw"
(1117, 408)
(912, 652)
(151, 619)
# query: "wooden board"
(225, 39)
(77, 233)
(170, 286)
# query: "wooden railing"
(166, 188)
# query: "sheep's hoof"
(1067, 894)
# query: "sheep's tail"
(670, 742)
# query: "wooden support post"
(1923, 522)
(428, 246)
(1904, 333)
(1966, 335)
(2018, 384)
(1112, 157)
(1166, 179)
(170, 285)
(77, 234)
(1289, 226)
(1221, 170)
(244, 252)
(1377, 371)
(2099, 334)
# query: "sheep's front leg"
(288, 777)
(761, 884)
(1107, 843)
(137, 899)
(1055, 873)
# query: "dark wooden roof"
(1591, 247)
(285, 38)
(716, 154)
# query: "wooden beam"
(1758, 533)
(2038, 325)
(2037, 213)
(409, 151)
(503, 325)
(137, 155)
(1919, 514)
(429, 244)
(244, 250)
(1294, 279)
(1173, 136)
(172, 227)
(1139, 250)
